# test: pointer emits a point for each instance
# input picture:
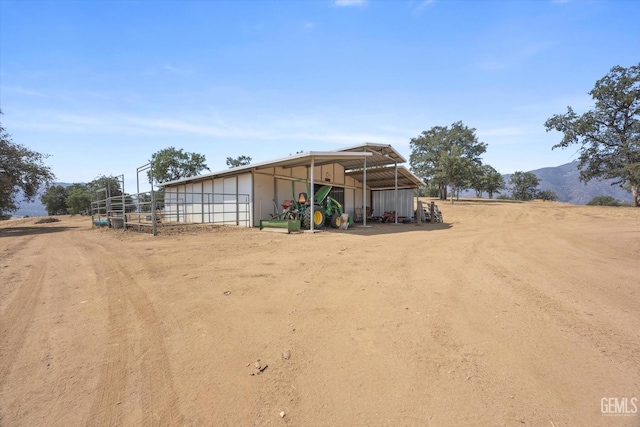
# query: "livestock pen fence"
(157, 211)
(153, 212)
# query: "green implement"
(289, 224)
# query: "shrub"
(547, 195)
(604, 201)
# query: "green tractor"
(326, 209)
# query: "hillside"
(564, 180)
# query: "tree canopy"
(54, 200)
(113, 183)
(446, 156)
(21, 169)
(103, 181)
(609, 134)
(171, 164)
(238, 161)
(485, 178)
(549, 195)
(79, 197)
(525, 185)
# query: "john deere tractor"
(326, 209)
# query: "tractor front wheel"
(318, 218)
(336, 220)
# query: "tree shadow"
(31, 231)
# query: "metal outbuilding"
(361, 176)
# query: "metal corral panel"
(384, 201)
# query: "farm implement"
(296, 213)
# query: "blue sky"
(101, 85)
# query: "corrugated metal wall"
(384, 201)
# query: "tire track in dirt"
(612, 336)
(113, 375)
(129, 307)
(12, 250)
(18, 316)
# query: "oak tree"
(171, 164)
(609, 134)
(21, 171)
(446, 156)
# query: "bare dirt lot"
(510, 314)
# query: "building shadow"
(378, 228)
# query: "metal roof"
(380, 172)
(319, 158)
(304, 159)
(382, 155)
(384, 177)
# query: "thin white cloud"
(423, 5)
(349, 3)
(20, 90)
(75, 119)
(506, 131)
(309, 26)
(513, 57)
(579, 103)
(312, 129)
(179, 71)
(281, 132)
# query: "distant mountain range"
(564, 180)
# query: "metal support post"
(312, 195)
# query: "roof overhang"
(384, 178)
(382, 155)
(319, 158)
(381, 160)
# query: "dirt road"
(510, 314)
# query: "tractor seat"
(287, 204)
(302, 198)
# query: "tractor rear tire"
(336, 220)
(318, 218)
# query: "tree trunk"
(443, 192)
(635, 190)
(453, 190)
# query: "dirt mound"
(47, 220)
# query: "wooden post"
(419, 213)
(432, 212)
